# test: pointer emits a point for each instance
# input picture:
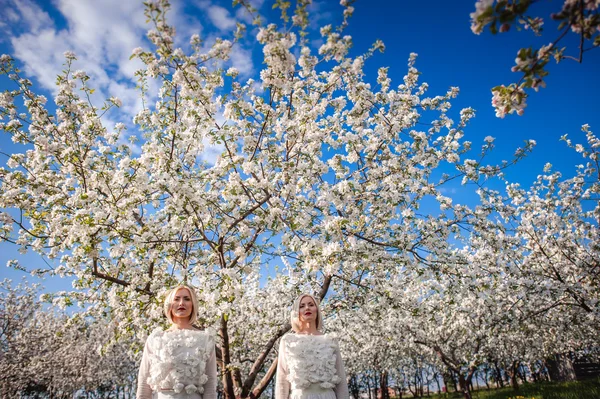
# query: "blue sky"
(103, 32)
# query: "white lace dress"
(178, 364)
(310, 367)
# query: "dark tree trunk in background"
(498, 377)
(512, 371)
(383, 385)
(375, 384)
(464, 386)
(354, 386)
(560, 368)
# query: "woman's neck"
(181, 324)
(308, 329)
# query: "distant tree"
(46, 352)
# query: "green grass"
(589, 389)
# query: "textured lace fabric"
(310, 367)
(178, 363)
(314, 391)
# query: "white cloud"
(30, 14)
(319, 15)
(221, 18)
(104, 31)
(448, 191)
(11, 15)
(242, 60)
(211, 152)
(185, 24)
(102, 34)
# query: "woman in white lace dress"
(180, 362)
(310, 365)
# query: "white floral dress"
(310, 367)
(178, 364)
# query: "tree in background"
(47, 352)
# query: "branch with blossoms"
(580, 17)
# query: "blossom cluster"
(578, 17)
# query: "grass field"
(589, 389)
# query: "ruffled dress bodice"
(178, 363)
(310, 367)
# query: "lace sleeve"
(210, 387)
(341, 389)
(282, 385)
(144, 391)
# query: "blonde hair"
(169, 300)
(295, 316)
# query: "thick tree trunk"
(499, 379)
(512, 372)
(464, 386)
(226, 359)
(560, 368)
(383, 385)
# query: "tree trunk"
(453, 379)
(226, 359)
(486, 375)
(512, 372)
(383, 385)
(523, 374)
(464, 386)
(272, 383)
(375, 384)
(560, 368)
(499, 379)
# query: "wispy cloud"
(102, 34)
(221, 18)
(22, 14)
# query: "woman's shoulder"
(157, 332)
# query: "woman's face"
(181, 305)
(308, 310)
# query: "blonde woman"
(180, 362)
(310, 365)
